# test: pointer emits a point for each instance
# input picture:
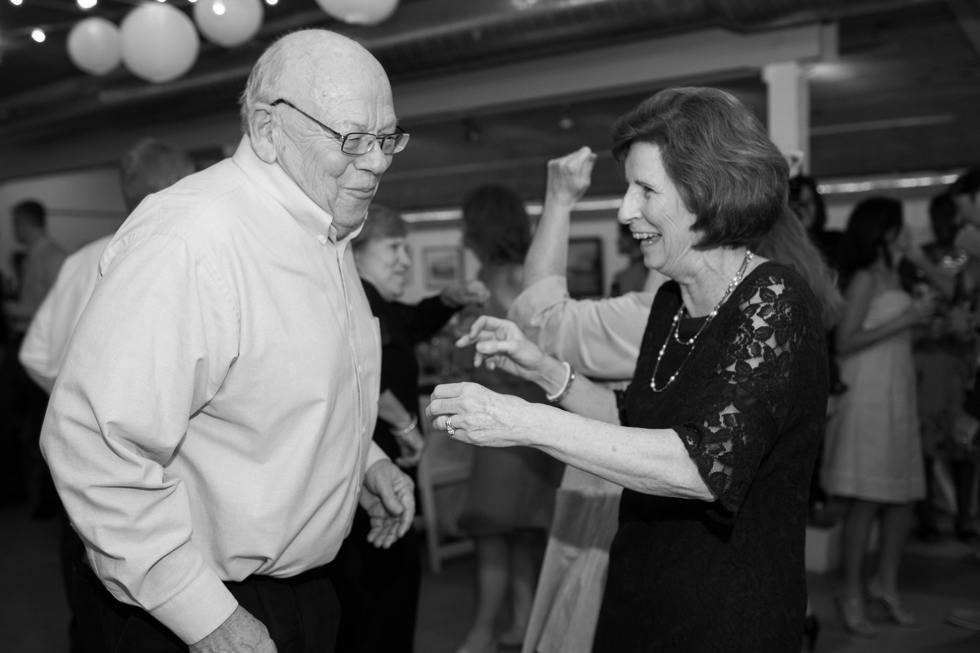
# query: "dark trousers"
(22, 407)
(378, 591)
(301, 613)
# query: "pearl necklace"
(690, 343)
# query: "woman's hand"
(570, 176)
(465, 294)
(480, 416)
(500, 344)
(411, 445)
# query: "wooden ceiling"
(903, 97)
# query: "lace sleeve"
(747, 397)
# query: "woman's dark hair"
(727, 171)
(943, 216)
(867, 235)
(381, 222)
(796, 186)
(495, 225)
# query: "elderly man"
(211, 426)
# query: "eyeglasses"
(358, 143)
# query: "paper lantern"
(93, 46)
(228, 22)
(159, 42)
(359, 12)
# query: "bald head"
(318, 68)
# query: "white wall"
(82, 205)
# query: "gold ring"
(449, 426)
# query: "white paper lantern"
(228, 22)
(159, 42)
(93, 45)
(359, 12)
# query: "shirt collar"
(274, 181)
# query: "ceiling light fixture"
(16, 3)
(218, 8)
(87, 4)
(38, 35)
(271, 2)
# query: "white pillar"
(789, 108)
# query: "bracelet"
(408, 429)
(558, 397)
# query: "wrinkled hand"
(388, 496)
(240, 633)
(465, 294)
(411, 445)
(570, 176)
(480, 416)
(500, 344)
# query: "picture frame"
(442, 266)
(585, 271)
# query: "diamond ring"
(449, 426)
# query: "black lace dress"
(749, 405)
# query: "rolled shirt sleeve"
(599, 338)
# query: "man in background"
(22, 403)
(149, 167)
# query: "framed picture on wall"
(585, 267)
(442, 266)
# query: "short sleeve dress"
(748, 404)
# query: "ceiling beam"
(605, 71)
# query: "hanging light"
(38, 35)
(271, 2)
(16, 3)
(228, 22)
(359, 12)
(87, 4)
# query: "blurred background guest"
(873, 451)
(512, 490)
(379, 588)
(807, 203)
(945, 359)
(148, 167)
(22, 402)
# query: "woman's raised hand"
(570, 176)
(500, 344)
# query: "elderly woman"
(715, 439)
(378, 588)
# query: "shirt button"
(322, 239)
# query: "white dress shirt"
(46, 342)
(600, 338)
(214, 413)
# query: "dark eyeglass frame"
(390, 143)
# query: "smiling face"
(339, 83)
(655, 212)
(385, 263)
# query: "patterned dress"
(748, 404)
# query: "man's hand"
(388, 496)
(240, 633)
